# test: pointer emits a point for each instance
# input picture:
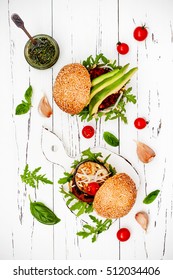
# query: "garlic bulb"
(142, 219)
(44, 107)
(144, 152)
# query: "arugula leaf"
(84, 114)
(129, 97)
(87, 155)
(91, 156)
(94, 231)
(32, 179)
(76, 205)
(25, 106)
(67, 178)
(99, 60)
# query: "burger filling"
(110, 100)
(87, 179)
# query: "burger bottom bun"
(115, 197)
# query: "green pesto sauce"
(43, 52)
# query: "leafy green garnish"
(43, 214)
(67, 178)
(76, 205)
(99, 60)
(110, 139)
(94, 231)
(151, 197)
(87, 155)
(129, 97)
(32, 179)
(25, 106)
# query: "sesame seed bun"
(71, 90)
(116, 197)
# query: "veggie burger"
(96, 182)
(93, 89)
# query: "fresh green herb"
(32, 179)
(110, 139)
(67, 178)
(76, 205)
(87, 155)
(112, 170)
(129, 97)
(25, 106)
(151, 197)
(100, 60)
(84, 114)
(94, 231)
(43, 214)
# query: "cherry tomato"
(140, 33)
(88, 131)
(140, 123)
(122, 48)
(92, 188)
(123, 234)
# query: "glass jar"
(44, 54)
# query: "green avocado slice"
(104, 76)
(112, 88)
(109, 80)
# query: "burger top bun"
(115, 197)
(71, 90)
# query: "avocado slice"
(104, 76)
(112, 88)
(106, 82)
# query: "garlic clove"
(44, 107)
(144, 152)
(142, 219)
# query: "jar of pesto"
(43, 54)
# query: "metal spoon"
(19, 23)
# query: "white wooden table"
(84, 28)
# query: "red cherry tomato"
(88, 131)
(140, 33)
(122, 48)
(123, 234)
(92, 188)
(140, 123)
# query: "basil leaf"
(110, 139)
(43, 214)
(22, 108)
(28, 94)
(151, 197)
